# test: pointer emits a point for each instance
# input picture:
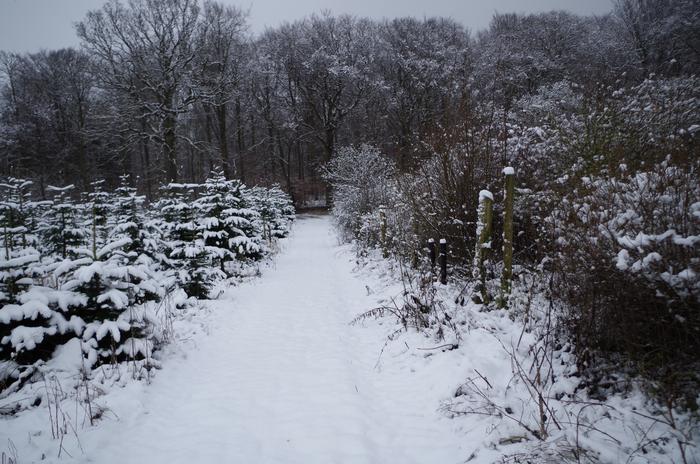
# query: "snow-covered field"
(279, 375)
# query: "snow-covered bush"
(608, 188)
(629, 256)
(444, 195)
(361, 178)
(606, 209)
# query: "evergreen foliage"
(89, 269)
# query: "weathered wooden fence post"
(431, 252)
(443, 261)
(507, 276)
(483, 239)
(382, 231)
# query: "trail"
(284, 378)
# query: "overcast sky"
(30, 25)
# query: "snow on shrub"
(360, 177)
(629, 247)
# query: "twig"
(484, 379)
(452, 346)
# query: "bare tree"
(224, 52)
(146, 51)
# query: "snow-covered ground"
(274, 372)
(280, 377)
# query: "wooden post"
(431, 251)
(507, 276)
(443, 261)
(483, 239)
(382, 231)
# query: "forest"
(549, 163)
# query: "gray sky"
(30, 25)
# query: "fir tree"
(185, 247)
(16, 212)
(220, 224)
(131, 220)
(246, 225)
(96, 208)
(114, 278)
(60, 227)
(275, 208)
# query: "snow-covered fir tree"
(60, 225)
(96, 214)
(214, 224)
(230, 230)
(275, 208)
(245, 222)
(114, 277)
(18, 239)
(105, 259)
(131, 219)
(184, 243)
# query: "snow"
(106, 327)
(508, 171)
(67, 357)
(19, 261)
(485, 194)
(282, 377)
(118, 298)
(272, 372)
(110, 247)
(622, 260)
(27, 337)
(29, 310)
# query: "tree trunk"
(169, 149)
(241, 142)
(146, 162)
(223, 140)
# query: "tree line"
(167, 90)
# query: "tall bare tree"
(146, 51)
(224, 51)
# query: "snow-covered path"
(283, 378)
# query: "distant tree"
(223, 53)
(663, 34)
(46, 119)
(419, 64)
(330, 69)
(146, 51)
